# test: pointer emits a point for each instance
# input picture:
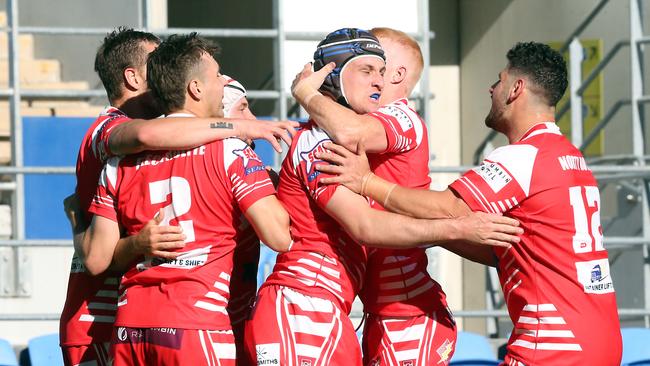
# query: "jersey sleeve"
(249, 178)
(403, 127)
(102, 133)
(304, 162)
(501, 182)
(104, 202)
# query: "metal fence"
(279, 36)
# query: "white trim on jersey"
(519, 160)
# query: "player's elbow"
(348, 140)
(95, 265)
(363, 230)
(277, 236)
(146, 138)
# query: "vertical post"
(143, 12)
(423, 11)
(18, 199)
(278, 70)
(576, 55)
(638, 144)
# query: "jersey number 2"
(180, 205)
(588, 235)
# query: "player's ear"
(399, 75)
(516, 89)
(194, 89)
(131, 80)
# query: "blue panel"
(265, 151)
(54, 141)
(50, 141)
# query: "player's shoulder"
(233, 149)
(400, 110)
(308, 140)
(514, 154)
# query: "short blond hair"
(404, 40)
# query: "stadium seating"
(473, 350)
(45, 351)
(636, 346)
(7, 355)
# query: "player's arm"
(101, 247)
(188, 132)
(353, 171)
(344, 126)
(355, 174)
(98, 244)
(384, 229)
(271, 223)
(152, 241)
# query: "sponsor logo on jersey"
(309, 157)
(252, 163)
(400, 115)
(185, 260)
(268, 354)
(305, 361)
(595, 276)
(445, 350)
(121, 333)
(494, 175)
(407, 363)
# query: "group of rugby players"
(169, 213)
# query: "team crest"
(407, 363)
(252, 163)
(309, 157)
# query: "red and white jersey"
(397, 282)
(204, 190)
(556, 281)
(324, 261)
(91, 301)
(243, 285)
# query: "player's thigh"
(418, 340)
(262, 332)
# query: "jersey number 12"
(588, 235)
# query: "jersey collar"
(540, 128)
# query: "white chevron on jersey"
(541, 327)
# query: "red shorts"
(96, 353)
(172, 346)
(290, 328)
(409, 341)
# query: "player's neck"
(526, 119)
(134, 108)
(392, 93)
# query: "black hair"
(171, 65)
(543, 65)
(122, 48)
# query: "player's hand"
(72, 209)
(271, 131)
(307, 82)
(347, 167)
(159, 241)
(489, 229)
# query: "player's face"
(498, 92)
(241, 110)
(363, 81)
(213, 85)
